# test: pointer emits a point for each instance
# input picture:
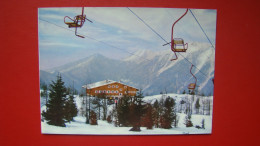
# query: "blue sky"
(116, 32)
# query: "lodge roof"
(102, 83)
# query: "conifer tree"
(148, 117)
(156, 114)
(71, 110)
(123, 111)
(168, 115)
(54, 114)
(136, 112)
(197, 105)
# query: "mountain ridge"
(151, 71)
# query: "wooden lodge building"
(110, 88)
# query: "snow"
(145, 54)
(98, 84)
(102, 83)
(79, 127)
(103, 128)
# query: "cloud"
(122, 19)
(118, 30)
(59, 44)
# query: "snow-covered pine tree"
(54, 114)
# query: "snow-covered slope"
(78, 126)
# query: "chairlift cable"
(175, 20)
(164, 39)
(202, 29)
(95, 40)
(110, 44)
(99, 41)
(146, 23)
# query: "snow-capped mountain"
(153, 72)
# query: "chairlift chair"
(192, 86)
(177, 44)
(77, 21)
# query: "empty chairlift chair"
(77, 21)
(192, 86)
(177, 44)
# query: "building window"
(116, 86)
(108, 91)
(108, 86)
(120, 89)
(96, 91)
(113, 86)
(125, 87)
(112, 91)
(116, 91)
(120, 94)
(104, 91)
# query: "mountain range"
(153, 72)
